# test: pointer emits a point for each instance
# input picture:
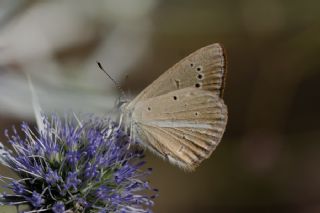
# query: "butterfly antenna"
(114, 81)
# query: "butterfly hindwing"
(183, 126)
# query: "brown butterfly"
(181, 116)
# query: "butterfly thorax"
(125, 120)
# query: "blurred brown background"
(269, 158)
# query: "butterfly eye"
(196, 113)
(149, 108)
(199, 68)
(175, 98)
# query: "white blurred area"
(57, 43)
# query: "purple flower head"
(75, 166)
(92, 171)
(102, 192)
(36, 199)
(17, 187)
(52, 177)
(58, 207)
(72, 181)
(72, 157)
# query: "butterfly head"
(122, 102)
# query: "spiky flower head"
(72, 166)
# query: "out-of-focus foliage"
(269, 157)
(58, 43)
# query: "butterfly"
(181, 116)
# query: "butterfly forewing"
(203, 69)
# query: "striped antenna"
(112, 79)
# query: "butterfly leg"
(131, 132)
(110, 130)
(120, 121)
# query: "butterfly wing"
(204, 69)
(181, 115)
(183, 126)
